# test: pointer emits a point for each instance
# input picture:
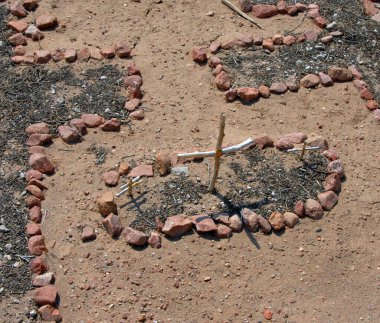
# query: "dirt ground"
(299, 277)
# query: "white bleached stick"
(300, 149)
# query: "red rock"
(18, 26)
(39, 139)
(163, 163)
(313, 209)
(301, 38)
(214, 47)
(111, 178)
(291, 219)
(248, 94)
(43, 280)
(230, 95)
(328, 200)
(113, 225)
(292, 83)
(235, 223)
(132, 104)
(135, 237)
(96, 54)
(88, 234)
(36, 191)
(132, 69)
(50, 314)
(233, 43)
(369, 8)
(159, 224)
(320, 22)
(19, 50)
(296, 137)
(221, 217)
(359, 84)
(336, 166)
(264, 224)
(154, 240)
(17, 59)
(42, 56)
(111, 125)
(264, 10)
(46, 22)
(45, 295)
(28, 60)
(330, 154)
(106, 204)
(58, 55)
(299, 209)
(339, 74)
(32, 201)
(245, 5)
(366, 94)
(176, 226)
(222, 81)
(313, 6)
(33, 229)
(38, 265)
(223, 231)
(301, 7)
(278, 39)
(263, 142)
(325, 79)
(277, 221)
(313, 13)
(70, 55)
(84, 54)
(122, 50)
(264, 91)
(198, 54)
(142, 170)
(203, 223)
(311, 35)
(289, 40)
(283, 144)
(18, 10)
(41, 163)
(292, 10)
(33, 174)
(30, 5)
(267, 314)
(278, 88)
(376, 17)
(258, 41)
(37, 183)
(69, 134)
(134, 92)
(376, 115)
(317, 141)
(372, 105)
(108, 53)
(36, 245)
(124, 169)
(281, 7)
(249, 219)
(332, 183)
(137, 115)
(33, 32)
(310, 80)
(92, 120)
(17, 40)
(326, 40)
(246, 39)
(36, 149)
(336, 33)
(214, 61)
(133, 80)
(79, 125)
(219, 69)
(268, 44)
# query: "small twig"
(218, 152)
(241, 13)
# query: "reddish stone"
(84, 54)
(43, 280)
(29, 60)
(291, 219)
(359, 84)
(134, 92)
(301, 7)
(326, 40)
(283, 144)
(376, 115)
(277, 221)
(137, 115)
(58, 55)
(38, 265)
(332, 183)
(132, 69)
(46, 22)
(264, 91)
(141, 170)
(18, 26)
(223, 231)
(281, 7)
(230, 95)
(17, 40)
(325, 79)
(369, 8)
(301, 38)
(108, 53)
(70, 55)
(328, 200)
(154, 240)
(113, 225)
(264, 10)
(69, 134)
(214, 61)
(17, 59)
(203, 223)
(159, 224)
(39, 139)
(233, 43)
(222, 81)
(92, 120)
(111, 125)
(36, 245)
(336, 166)
(33, 229)
(132, 104)
(106, 204)
(372, 105)
(32, 201)
(198, 54)
(122, 50)
(317, 141)
(163, 163)
(292, 83)
(214, 47)
(245, 5)
(267, 314)
(339, 74)
(176, 226)
(311, 35)
(292, 10)
(355, 72)
(33, 174)
(88, 234)
(263, 142)
(221, 217)
(42, 56)
(249, 219)
(376, 17)
(30, 5)
(133, 80)
(336, 33)
(124, 169)
(18, 10)
(218, 69)
(278, 88)
(268, 44)
(309, 81)
(313, 13)
(37, 183)
(235, 223)
(258, 41)
(79, 125)
(248, 94)
(264, 224)
(45, 295)
(313, 209)
(278, 39)
(135, 237)
(299, 209)
(246, 39)
(36, 191)
(50, 314)
(19, 50)
(111, 178)
(96, 54)
(296, 137)
(289, 40)
(330, 154)
(36, 149)
(366, 94)
(320, 22)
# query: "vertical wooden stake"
(218, 152)
(130, 186)
(303, 150)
